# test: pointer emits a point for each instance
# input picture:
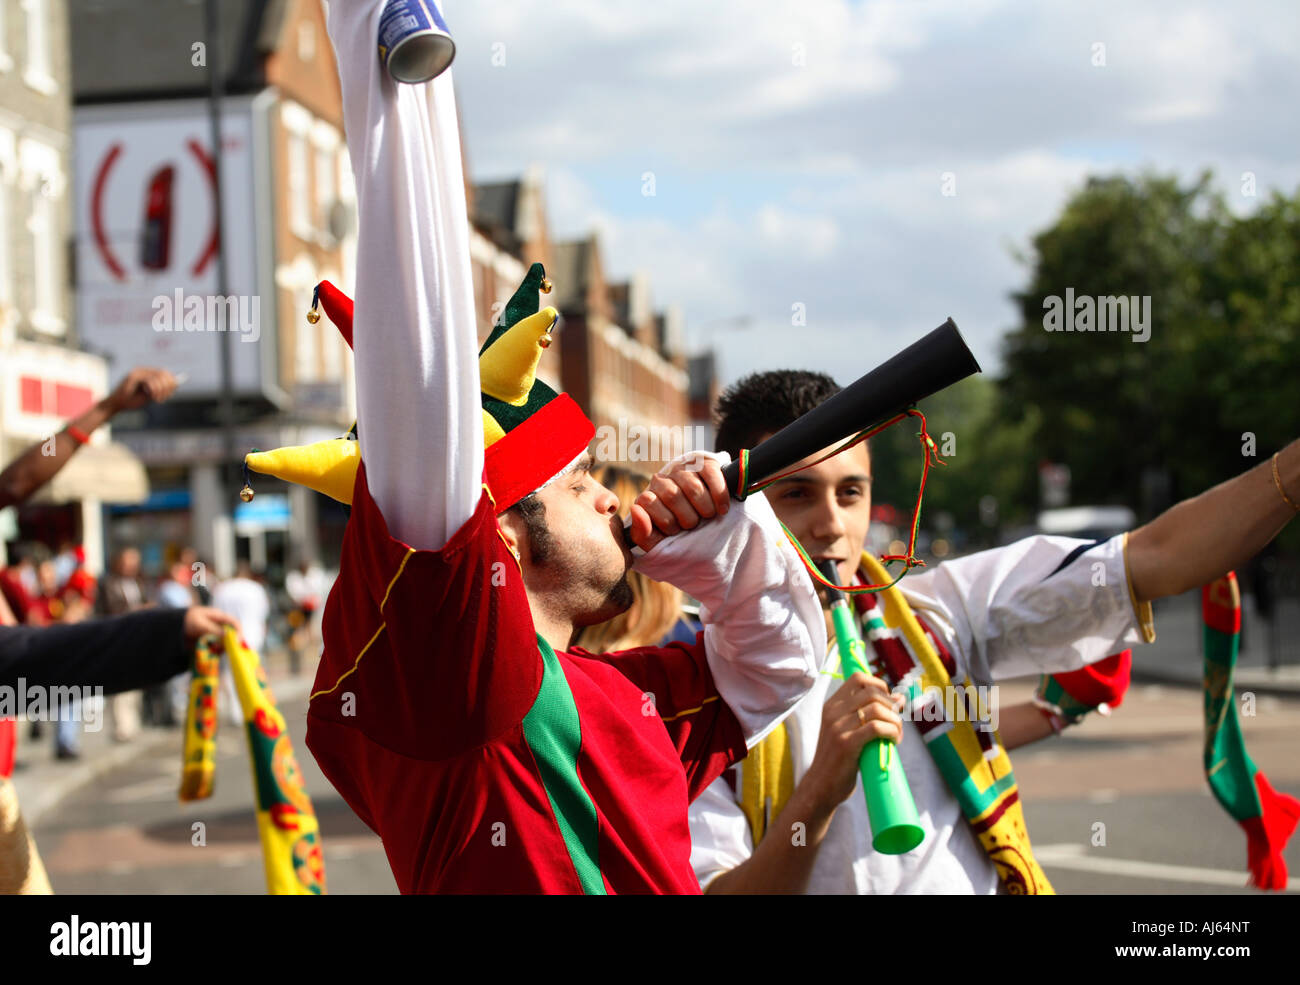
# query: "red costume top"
(485, 761)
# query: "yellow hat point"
(492, 431)
(329, 467)
(508, 367)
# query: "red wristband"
(78, 435)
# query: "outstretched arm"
(1202, 538)
(35, 467)
(418, 409)
(120, 653)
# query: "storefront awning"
(110, 473)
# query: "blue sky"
(798, 146)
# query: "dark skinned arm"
(33, 468)
(1202, 538)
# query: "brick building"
(290, 217)
(44, 377)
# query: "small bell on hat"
(329, 466)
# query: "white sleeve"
(1042, 604)
(418, 406)
(764, 632)
(720, 838)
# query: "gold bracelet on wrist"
(1277, 481)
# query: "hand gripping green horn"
(895, 827)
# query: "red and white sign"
(146, 226)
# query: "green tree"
(983, 455)
(1222, 357)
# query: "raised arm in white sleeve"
(1042, 604)
(764, 632)
(418, 406)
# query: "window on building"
(299, 182)
(42, 184)
(37, 73)
(325, 188)
(47, 266)
(6, 265)
(6, 60)
(8, 175)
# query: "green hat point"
(521, 304)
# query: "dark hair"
(541, 545)
(764, 403)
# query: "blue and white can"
(414, 43)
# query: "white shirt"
(310, 586)
(247, 601)
(1002, 613)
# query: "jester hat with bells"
(531, 433)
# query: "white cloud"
(821, 183)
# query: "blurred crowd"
(44, 587)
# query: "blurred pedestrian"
(54, 604)
(306, 585)
(165, 704)
(18, 581)
(77, 581)
(123, 591)
(245, 598)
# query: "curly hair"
(764, 403)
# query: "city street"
(1137, 773)
(125, 832)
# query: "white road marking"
(1072, 856)
(159, 788)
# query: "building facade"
(622, 362)
(288, 219)
(44, 376)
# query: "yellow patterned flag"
(286, 823)
(199, 766)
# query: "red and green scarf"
(1267, 816)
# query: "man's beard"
(618, 599)
(621, 595)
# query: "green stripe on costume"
(554, 734)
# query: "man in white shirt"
(243, 597)
(1041, 605)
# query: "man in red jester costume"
(449, 709)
